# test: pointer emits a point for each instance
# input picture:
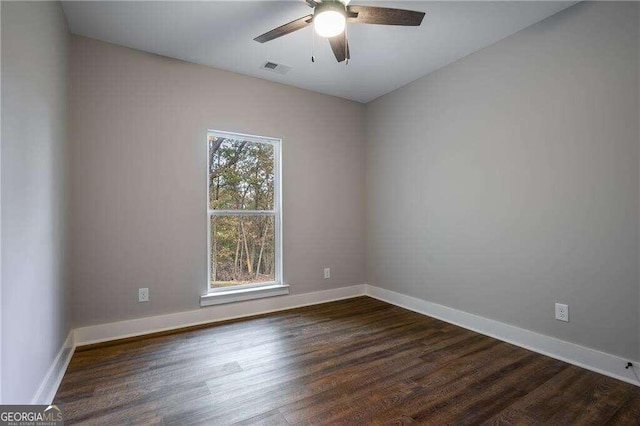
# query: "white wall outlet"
(562, 312)
(143, 295)
(327, 273)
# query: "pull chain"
(346, 47)
(313, 45)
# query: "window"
(244, 218)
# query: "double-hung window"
(244, 217)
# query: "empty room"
(320, 212)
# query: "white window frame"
(241, 292)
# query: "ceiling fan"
(330, 17)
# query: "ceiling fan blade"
(285, 29)
(340, 47)
(384, 16)
(312, 3)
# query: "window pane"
(241, 174)
(242, 250)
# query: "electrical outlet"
(327, 273)
(562, 312)
(143, 295)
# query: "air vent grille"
(274, 67)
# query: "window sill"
(239, 295)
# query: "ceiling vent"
(277, 68)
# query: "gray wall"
(508, 180)
(138, 179)
(34, 115)
(0, 211)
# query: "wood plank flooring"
(357, 361)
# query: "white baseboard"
(591, 359)
(140, 326)
(49, 386)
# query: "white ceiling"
(383, 58)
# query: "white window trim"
(215, 296)
(239, 295)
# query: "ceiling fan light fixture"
(329, 21)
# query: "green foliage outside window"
(241, 177)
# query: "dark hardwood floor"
(357, 361)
